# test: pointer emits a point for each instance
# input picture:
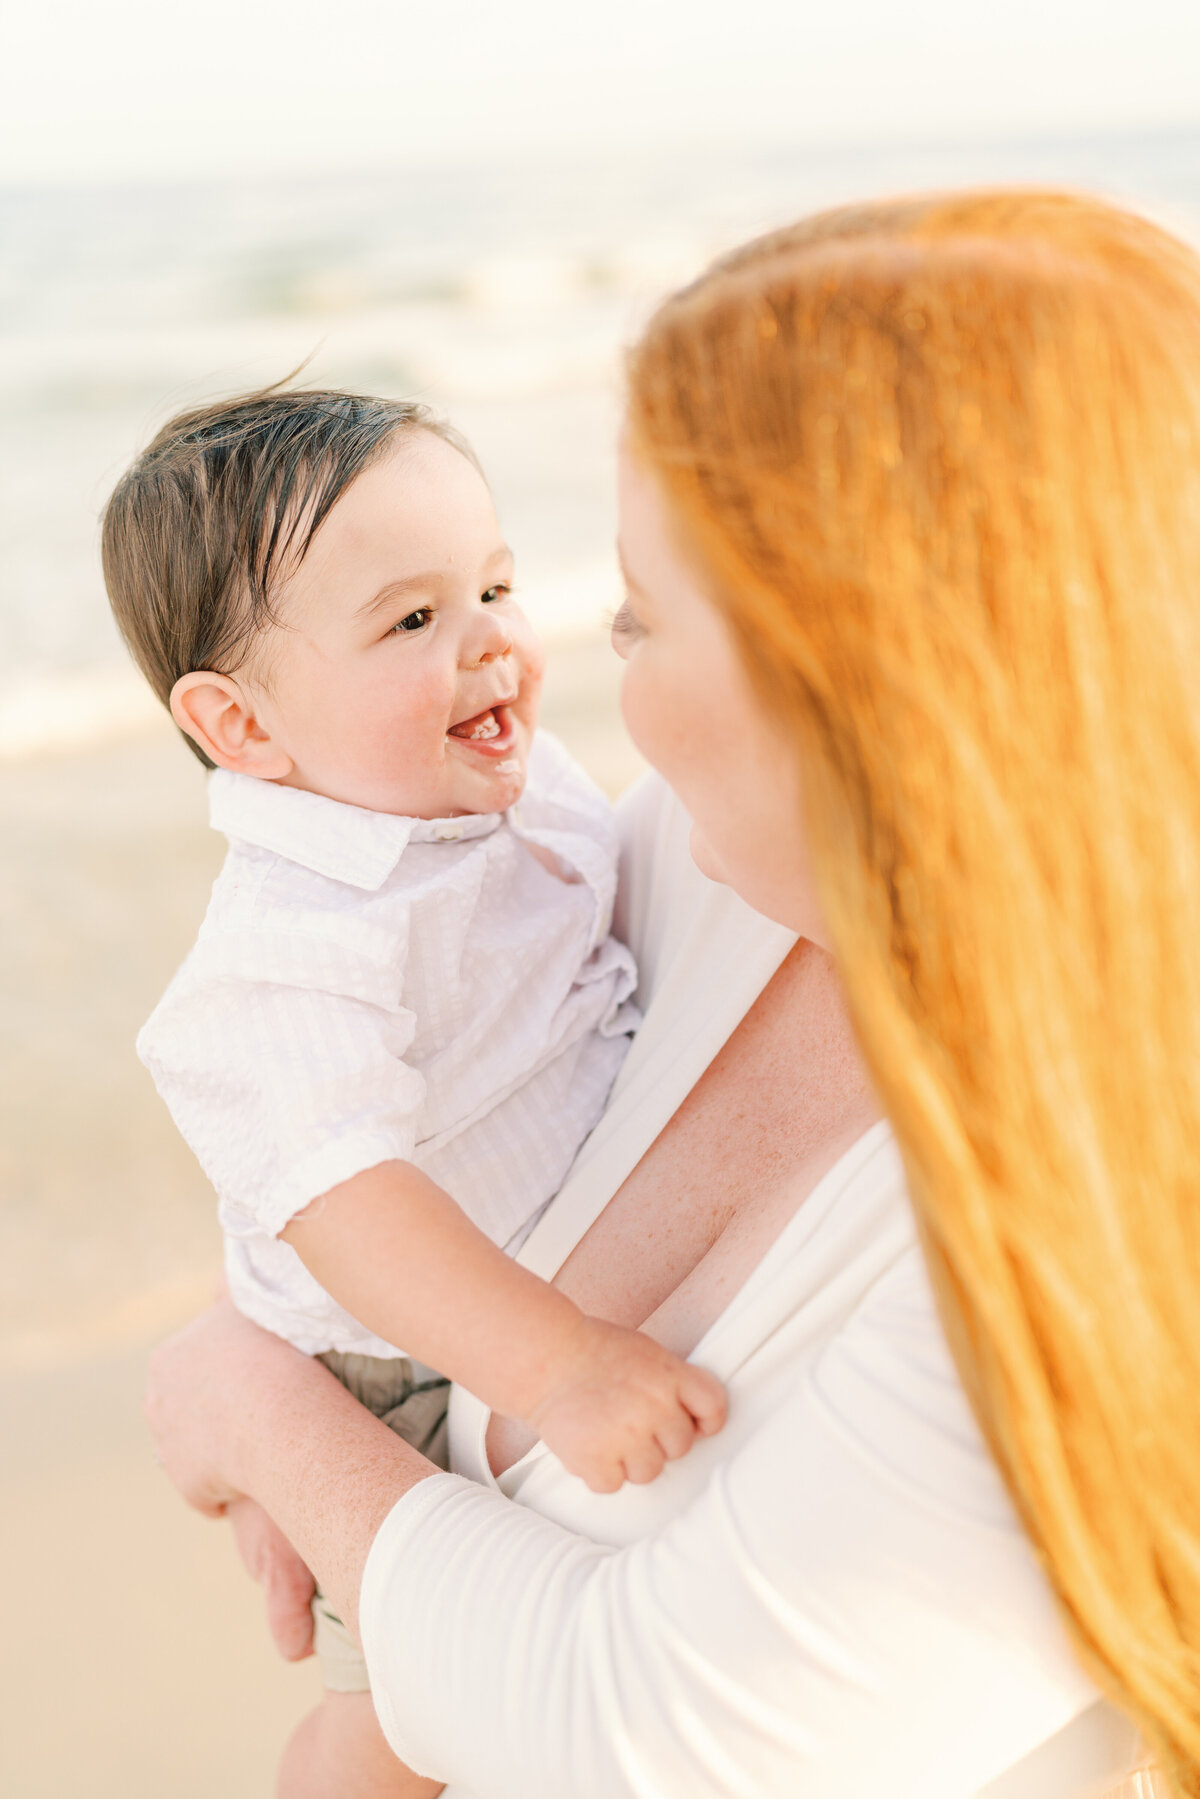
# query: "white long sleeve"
(848, 1608)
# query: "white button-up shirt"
(368, 988)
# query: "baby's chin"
(460, 792)
(476, 789)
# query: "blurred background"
(473, 205)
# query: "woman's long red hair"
(939, 460)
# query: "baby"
(404, 1010)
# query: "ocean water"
(500, 293)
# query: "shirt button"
(449, 831)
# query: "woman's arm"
(848, 1609)
(286, 1581)
(235, 1410)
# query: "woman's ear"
(219, 715)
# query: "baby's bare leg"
(339, 1752)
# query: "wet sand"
(137, 1662)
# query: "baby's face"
(403, 676)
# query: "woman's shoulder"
(888, 1383)
(847, 1288)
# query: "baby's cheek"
(420, 712)
(399, 737)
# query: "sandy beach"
(140, 1666)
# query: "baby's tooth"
(487, 727)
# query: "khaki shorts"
(411, 1400)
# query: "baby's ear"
(219, 714)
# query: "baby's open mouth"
(490, 732)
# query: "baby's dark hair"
(229, 496)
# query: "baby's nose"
(493, 643)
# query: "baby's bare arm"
(399, 1254)
(396, 1251)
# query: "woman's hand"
(288, 1585)
(200, 1401)
(238, 1412)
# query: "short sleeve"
(280, 1056)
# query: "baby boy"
(404, 1010)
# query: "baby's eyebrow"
(427, 581)
(396, 590)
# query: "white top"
(368, 988)
(830, 1600)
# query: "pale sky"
(102, 89)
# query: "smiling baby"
(404, 1010)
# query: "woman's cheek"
(633, 711)
(660, 720)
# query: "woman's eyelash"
(625, 622)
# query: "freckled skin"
(363, 709)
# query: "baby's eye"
(416, 621)
(500, 592)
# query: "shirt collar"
(344, 843)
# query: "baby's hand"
(624, 1407)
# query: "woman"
(911, 519)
